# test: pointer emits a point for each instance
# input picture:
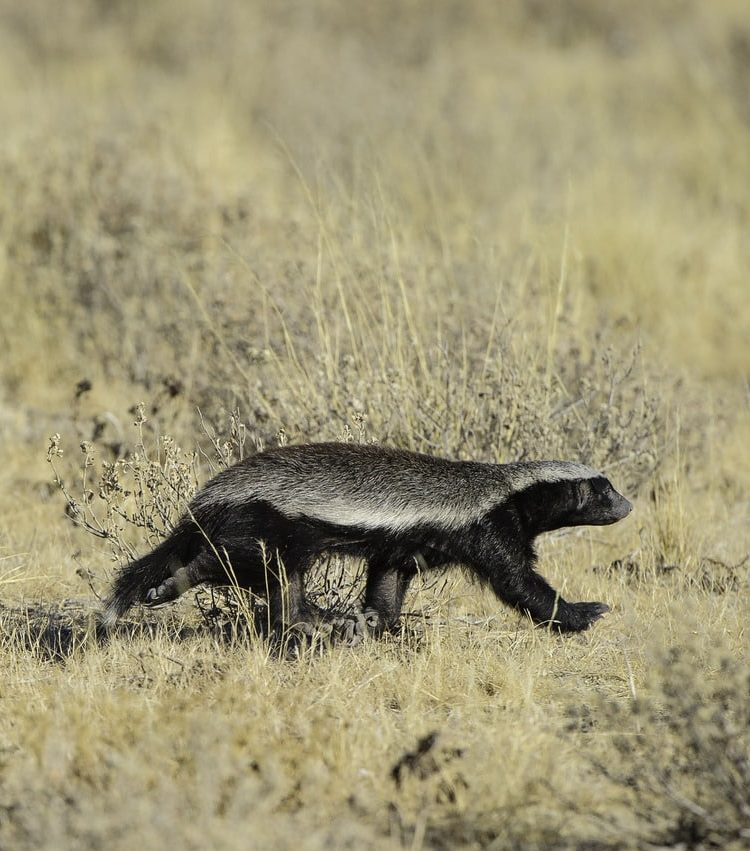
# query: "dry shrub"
(683, 774)
(140, 491)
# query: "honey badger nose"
(621, 507)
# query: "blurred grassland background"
(491, 231)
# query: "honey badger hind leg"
(292, 617)
(205, 567)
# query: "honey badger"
(400, 511)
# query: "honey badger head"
(574, 502)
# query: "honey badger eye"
(599, 486)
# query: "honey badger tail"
(135, 579)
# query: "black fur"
(256, 545)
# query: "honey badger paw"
(347, 630)
(166, 592)
(170, 589)
(350, 629)
(576, 617)
(376, 625)
(374, 622)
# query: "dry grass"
(490, 231)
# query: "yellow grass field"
(489, 231)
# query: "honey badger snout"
(611, 506)
(621, 507)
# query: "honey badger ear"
(582, 491)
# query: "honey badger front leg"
(506, 561)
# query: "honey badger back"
(398, 510)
